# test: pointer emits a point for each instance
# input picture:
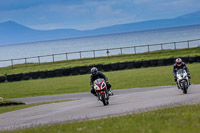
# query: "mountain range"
(14, 33)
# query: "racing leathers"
(96, 76)
(176, 68)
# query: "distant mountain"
(12, 33)
(185, 20)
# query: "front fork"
(106, 94)
(178, 82)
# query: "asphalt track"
(86, 106)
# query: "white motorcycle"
(182, 80)
(101, 91)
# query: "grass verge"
(5, 109)
(132, 78)
(182, 119)
(31, 67)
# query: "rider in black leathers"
(179, 64)
(95, 74)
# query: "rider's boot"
(110, 92)
(109, 89)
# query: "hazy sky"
(91, 14)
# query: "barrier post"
(94, 53)
(107, 52)
(39, 60)
(12, 63)
(148, 48)
(25, 60)
(175, 45)
(53, 57)
(80, 54)
(161, 46)
(135, 49)
(121, 50)
(188, 43)
(66, 56)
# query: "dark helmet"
(179, 62)
(94, 71)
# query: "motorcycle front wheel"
(103, 99)
(184, 88)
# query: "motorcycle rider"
(95, 74)
(179, 64)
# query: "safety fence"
(102, 67)
(101, 53)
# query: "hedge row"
(86, 69)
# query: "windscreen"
(180, 71)
(98, 81)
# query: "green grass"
(30, 67)
(182, 119)
(132, 78)
(5, 109)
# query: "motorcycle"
(101, 91)
(182, 80)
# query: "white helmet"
(179, 62)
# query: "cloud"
(137, 2)
(6, 5)
(90, 14)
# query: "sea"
(139, 38)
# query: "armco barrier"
(26, 76)
(101, 67)
(84, 70)
(106, 67)
(34, 75)
(122, 65)
(185, 59)
(2, 79)
(146, 63)
(11, 103)
(10, 78)
(58, 72)
(154, 62)
(114, 66)
(51, 73)
(43, 74)
(18, 77)
(169, 61)
(198, 58)
(75, 71)
(66, 71)
(192, 59)
(138, 64)
(161, 62)
(130, 65)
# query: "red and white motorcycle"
(101, 91)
